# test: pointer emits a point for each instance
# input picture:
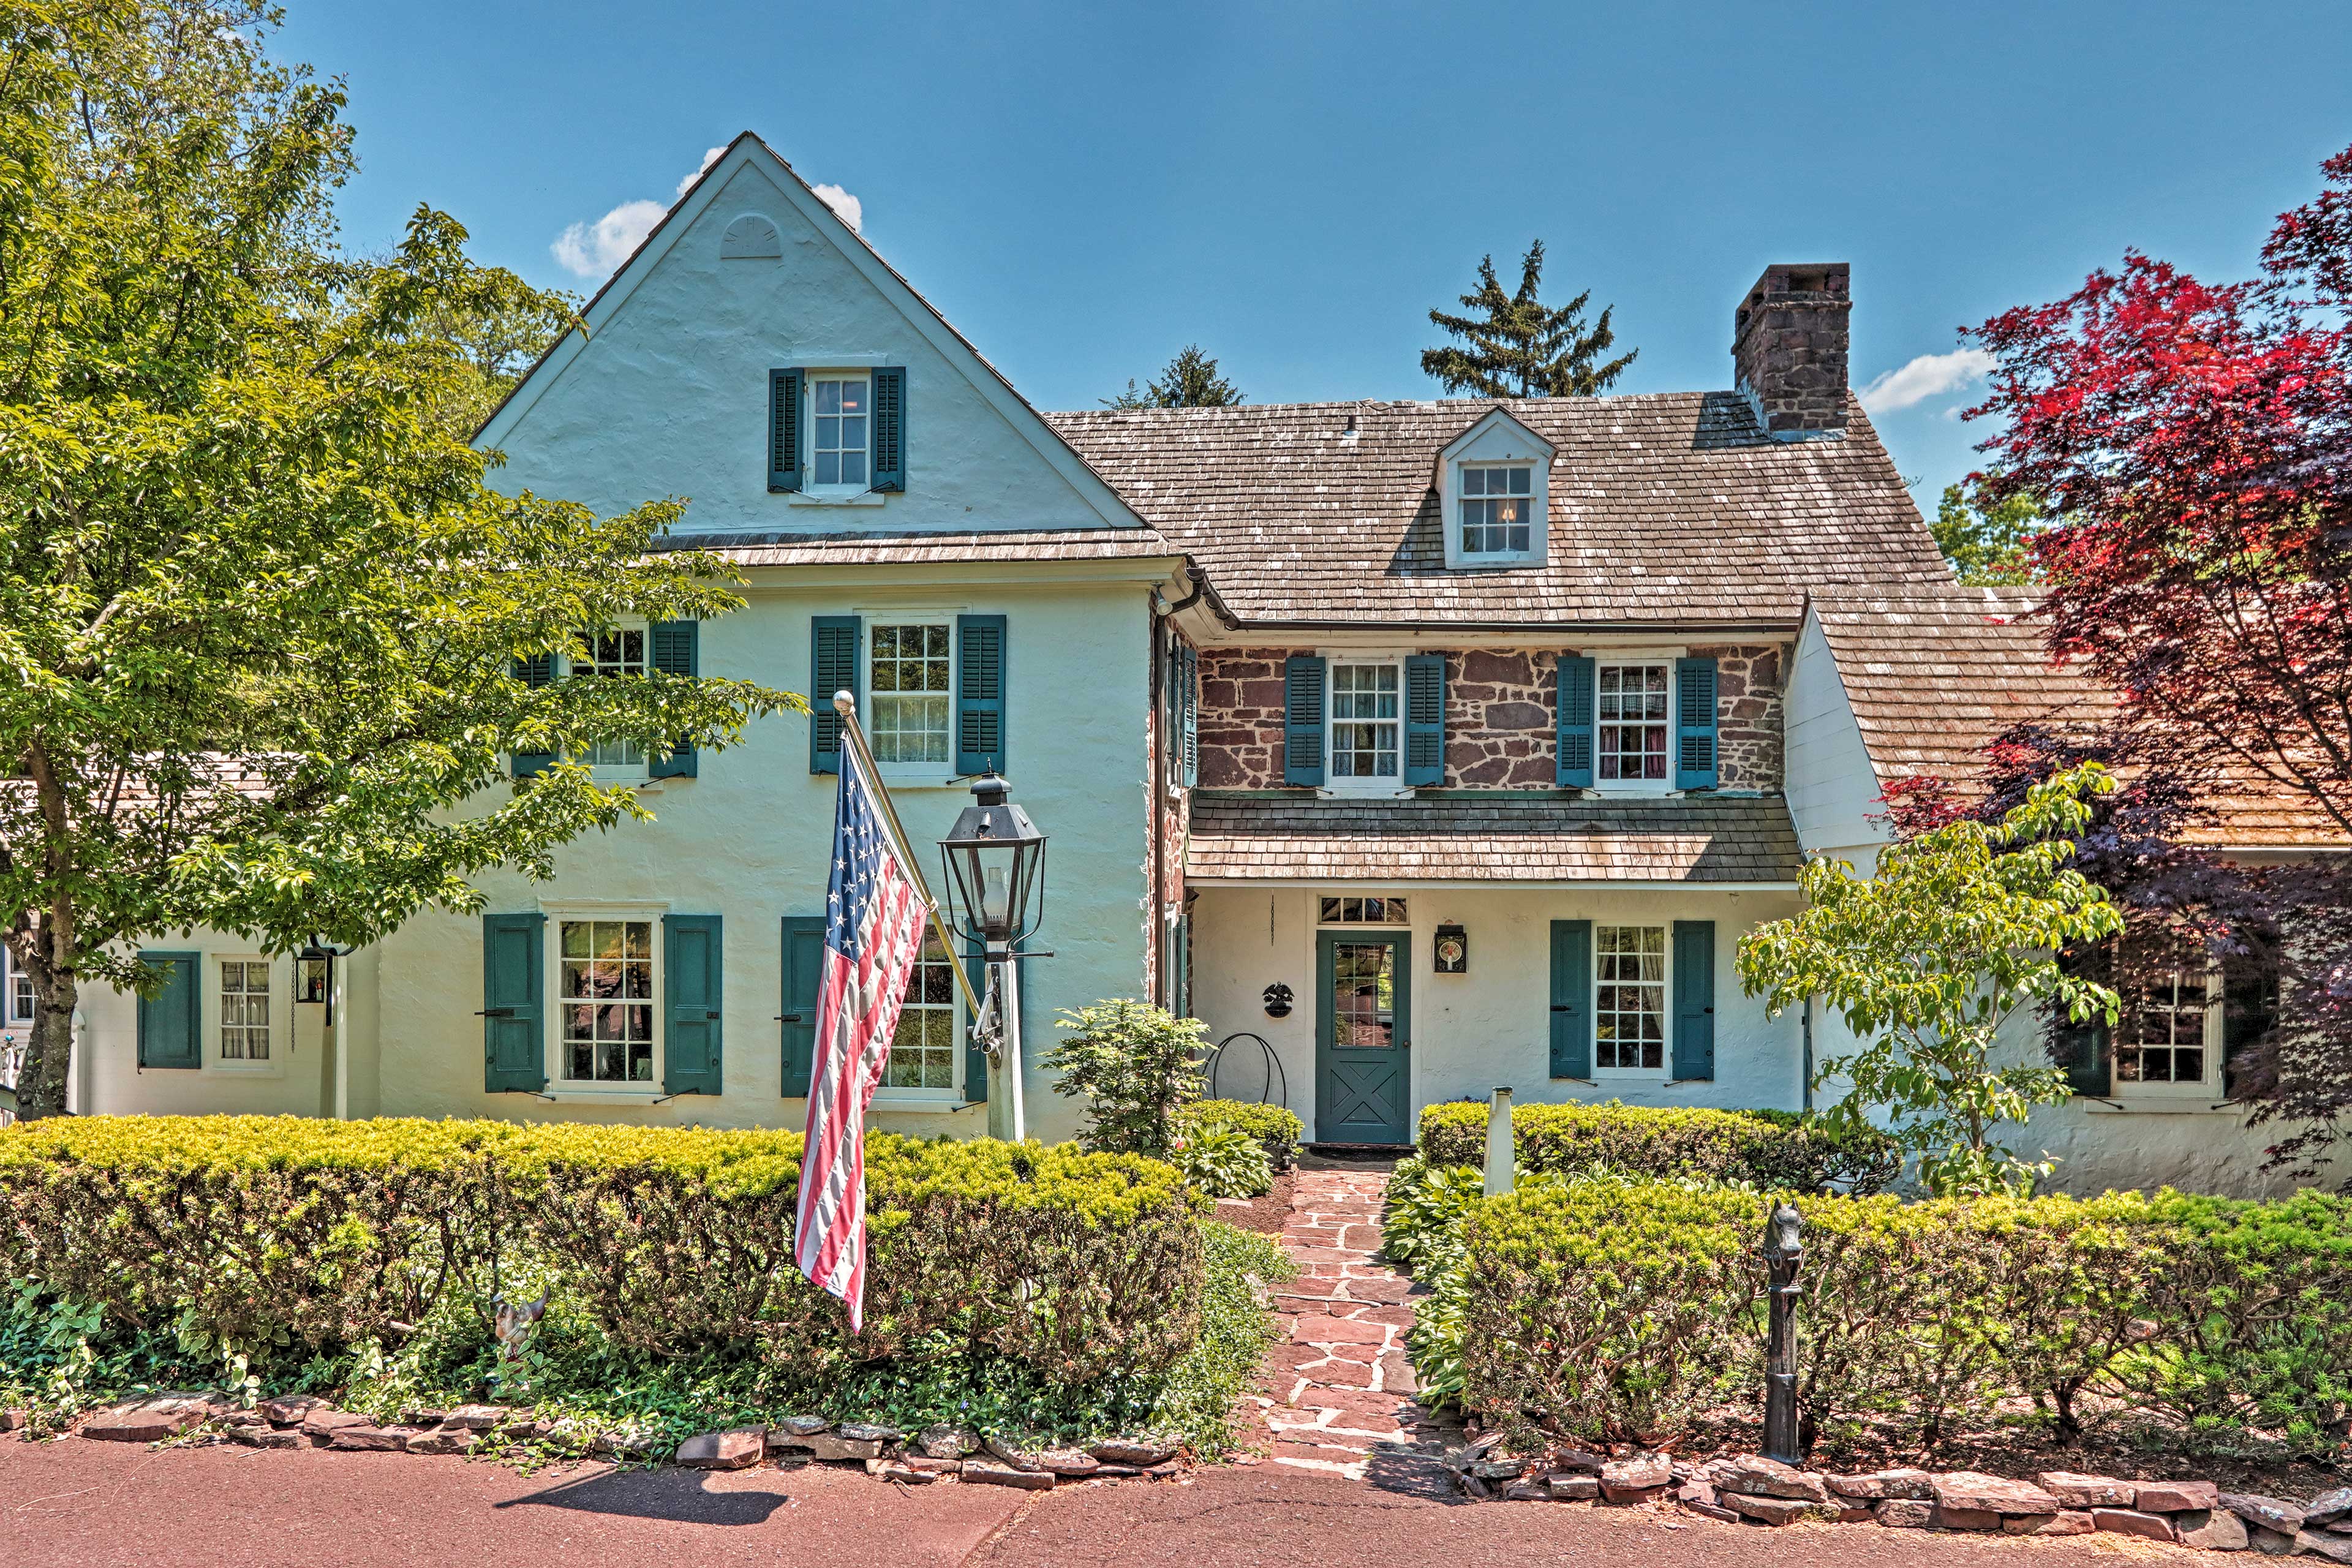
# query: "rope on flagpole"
(846, 706)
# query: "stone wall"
(1500, 727)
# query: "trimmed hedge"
(1274, 1126)
(317, 1235)
(1777, 1149)
(1613, 1309)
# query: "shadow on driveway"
(683, 1497)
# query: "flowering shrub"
(1772, 1149)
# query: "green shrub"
(1607, 1309)
(1775, 1150)
(1222, 1162)
(1421, 1213)
(1276, 1127)
(1137, 1065)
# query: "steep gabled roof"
(1669, 508)
(1936, 673)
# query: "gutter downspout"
(1162, 611)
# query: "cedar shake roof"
(1699, 839)
(1669, 508)
(1936, 674)
(867, 547)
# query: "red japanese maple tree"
(2196, 440)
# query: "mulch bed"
(1264, 1214)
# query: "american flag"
(873, 935)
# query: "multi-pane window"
(1629, 1001)
(1364, 723)
(1363, 994)
(911, 703)
(2162, 1037)
(20, 994)
(244, 1010)
(923, 1049)
(1633, 722)
(1498, 510)
(620, 651)
(604, 999)
(837, 446)
(1351, 911)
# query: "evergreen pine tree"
(1519, 346)
(1191, 381)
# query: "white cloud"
(707, 159)
(1929, 375)
(845, 207)
(594, 250)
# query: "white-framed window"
(910, 691)
(624, 649)
(607, 1026)
(1349, 909)
(841, 424)
(243, 1008)
(1632, 724)
(1629, 998)
(2169, 1037)
(927, 1048)
(1495, 512)
(20, 990)
(1367, 725)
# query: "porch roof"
(1493, 838)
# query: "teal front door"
(1363, 1037)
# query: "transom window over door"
(621, 651)
(605, 990)
(837, 448)
(1629, 999)
(912, 692)
(1498, 510)
(1364, 723)
(923, 1048)
(1632, 723)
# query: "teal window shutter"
(890, 427)
(1425, 719)
(2086, 1051)
(1695, 724)
(783, 430)
(1571, 999)
(1693, 959)
(1188, 696)
(980, 693)
(514, 1039)
(1303, 680)
(832, 667)
(170, 1022)
(1180, 959)
(536, 670)
(1574, 770)
(678, 650)
(693, 955)
(803, 978)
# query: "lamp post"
(995, 860)
(314, 981)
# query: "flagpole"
(846, 706)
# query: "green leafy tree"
(1515, 345)
(1928, 957)
(265, 624)
(1191, 381)
(1137, 1065)
(1986, 541)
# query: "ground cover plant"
(1015, 1287)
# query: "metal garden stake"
(1784, 1254)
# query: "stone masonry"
(1499, 728)
(1337, 1387)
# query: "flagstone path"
(1337, 1389)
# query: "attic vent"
(752, 237)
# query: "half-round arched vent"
(752, 237)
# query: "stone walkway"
(1339, 1390)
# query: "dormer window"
(1494, 494)
(1496, 506)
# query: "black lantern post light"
(996, 861)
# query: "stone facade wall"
(1500, 727)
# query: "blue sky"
(1084, 190)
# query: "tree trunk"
(49, 1062)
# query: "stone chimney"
(1789, 350)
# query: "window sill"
(1328, 792)
(839, 497)
(896, 780)
(2153, 1105)
(1502, 564)
(248, 1069)
(923, 1107)
(645, 1095)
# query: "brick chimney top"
(1789, 343)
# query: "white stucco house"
(1417, 747)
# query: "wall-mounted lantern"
(314, 974)
(1452, 949)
